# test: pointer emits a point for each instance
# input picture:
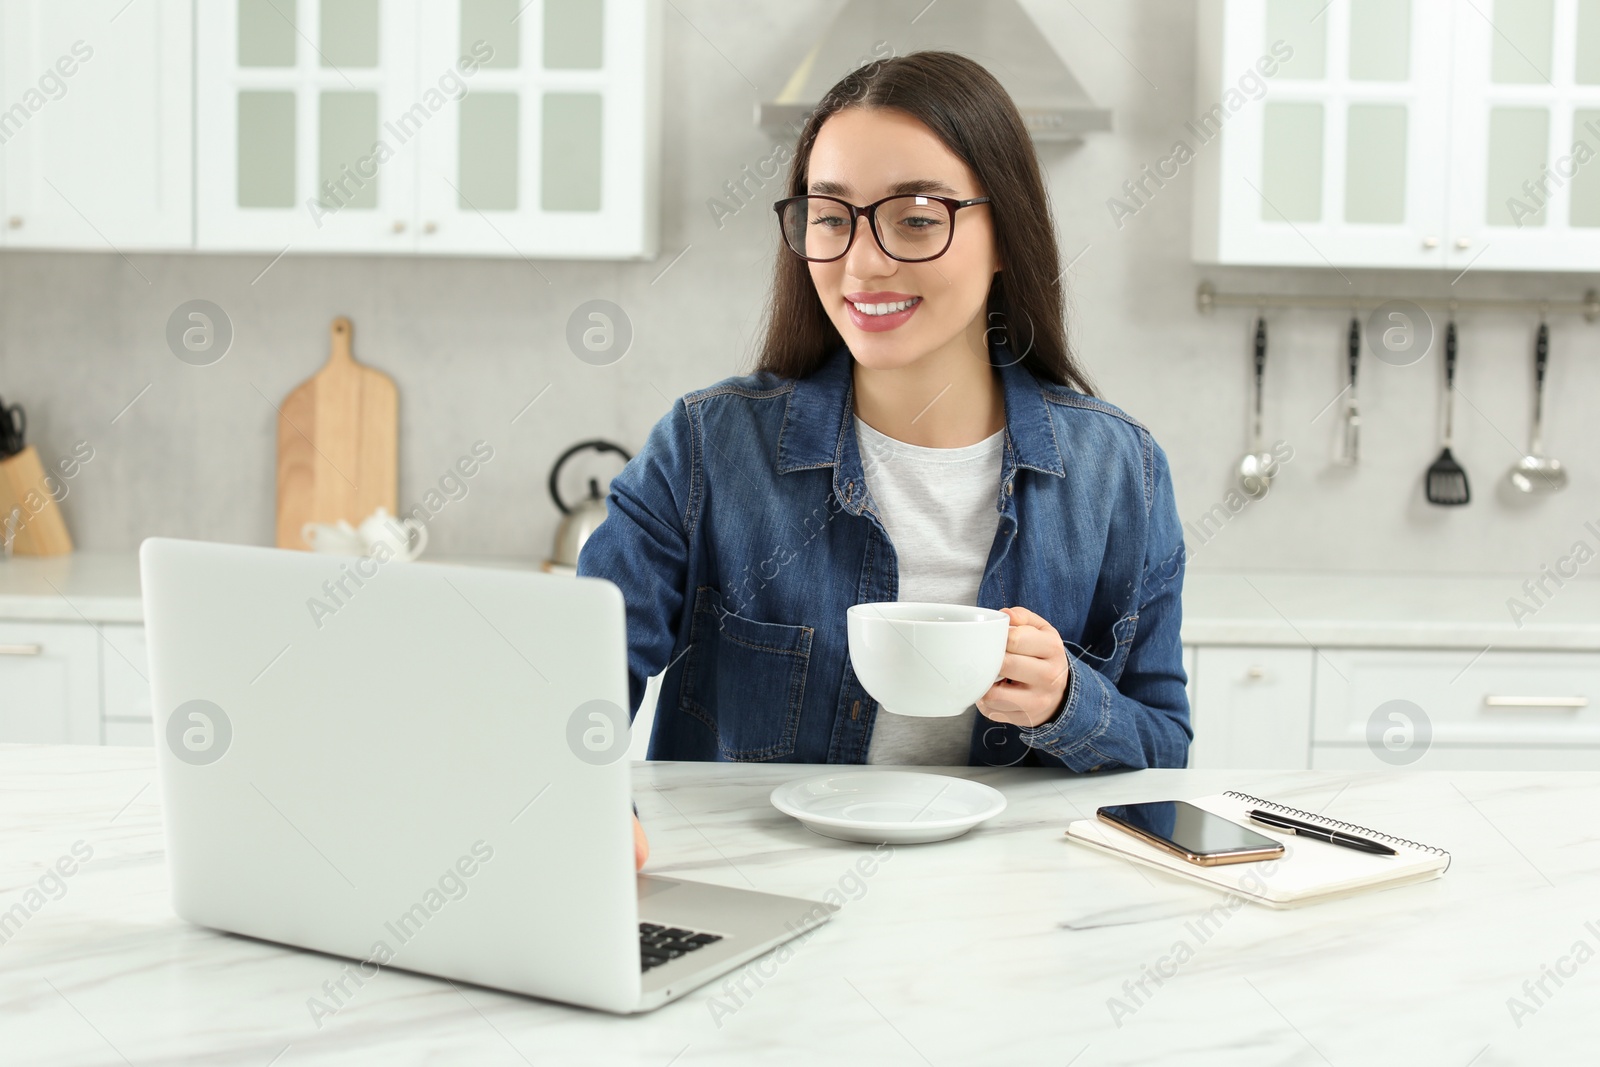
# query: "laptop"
(421, 766)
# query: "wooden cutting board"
(337, 451)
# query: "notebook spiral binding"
(1337, 824)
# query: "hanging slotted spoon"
(1536, 472)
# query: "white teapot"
(404, 539)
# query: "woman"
(915, 429)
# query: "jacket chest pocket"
(744, 680)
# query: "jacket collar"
(819, 430)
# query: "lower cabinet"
(125, 711)
(49, 683)
(1251, 707)
(1392, 709)
(74, 683)
(1457, 710)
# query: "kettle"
(579, 520)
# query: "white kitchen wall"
(470, 342)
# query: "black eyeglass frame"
(951, 205)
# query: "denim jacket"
(744, 528)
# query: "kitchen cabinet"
(1458, 710)
(1369, 708)
(291, 101)
(74, 683)
(552, 153)
(1252, 707)
(125, 711)
(481, 127)
(1525, 137)
(49, 676)
(96, 131)
(1397, 133)
(1263, 692)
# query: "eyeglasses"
(912, 228)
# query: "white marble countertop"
(1009, 945)
(104, 586)
(1370, 610)
(1327, 610)
(77, 587)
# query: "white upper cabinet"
(96, 127)
(293, 150)
(480, 127)
(1329, 141)
(1526, 131)
(552, 150)
(1396, 133)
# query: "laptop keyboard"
(658, 944)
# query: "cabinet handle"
(15, 222)
(430, 226)
(1256, 672)
(399, 226)
(1463, 242)
(1568, 703)
(1430, 241)
(21, 650)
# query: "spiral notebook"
(1309, 872)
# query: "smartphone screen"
(1191, 832)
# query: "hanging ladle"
(1536, 472)
(1257, 468)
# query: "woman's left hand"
(1033, 675)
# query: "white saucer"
(898, 807)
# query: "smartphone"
(1191, 833)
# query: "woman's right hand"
(641, 845)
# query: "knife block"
(40, 529)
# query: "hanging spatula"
(1446, 481)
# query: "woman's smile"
(879, 311)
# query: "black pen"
(1321, 833)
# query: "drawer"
(124, 673)
(1252, 707)
(49, 683)
(1549, 699)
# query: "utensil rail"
(1207, 299)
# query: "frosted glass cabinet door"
(307, 115)
(1321, 135)
(96, 126)
(548, 142)
(1526, 189)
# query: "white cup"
(929, 660)
(404, 538)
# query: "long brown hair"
(975, 117)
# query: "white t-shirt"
(938, 505)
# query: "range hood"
(996, 33)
